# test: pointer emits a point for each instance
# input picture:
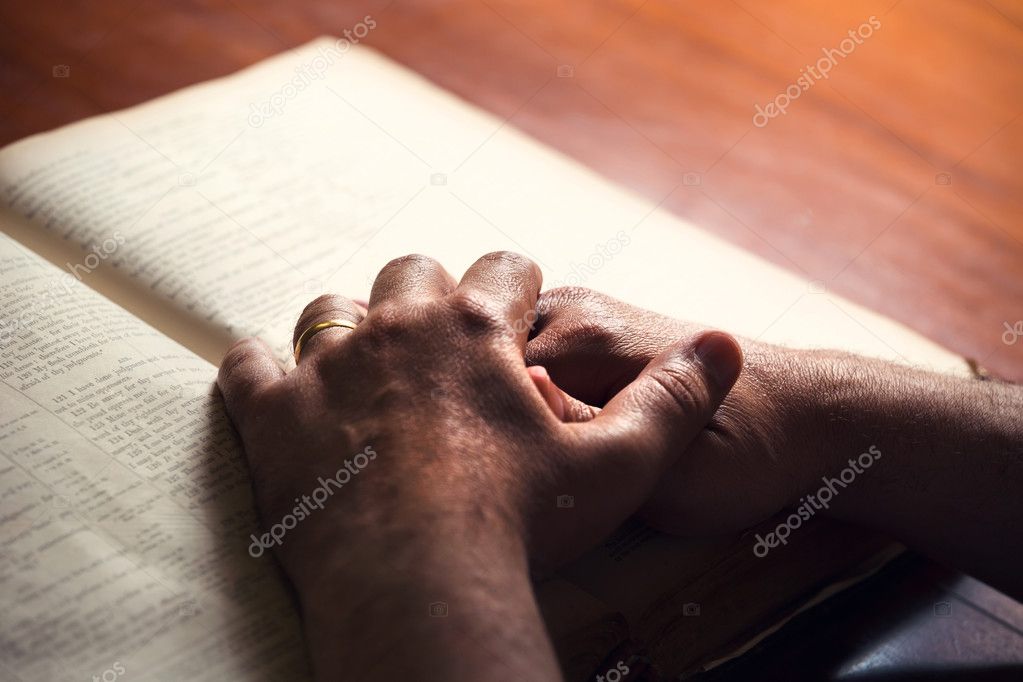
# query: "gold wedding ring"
(315, 329)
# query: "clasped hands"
(478, 423)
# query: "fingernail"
(721, 357)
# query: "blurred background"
(892, 179)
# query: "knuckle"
(577, 319)
(322, 302)
(684, 384)
(476, 315)
(569, 294)
(325, 306)
(236, 356)
(388, 323)
(317, 305)
(583, 335)
(415, 260)
(591, 333)
(247, 406)
(510, 267)
(507, 258)
(572, 301)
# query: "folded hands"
(511, 431)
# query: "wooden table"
(891, 181)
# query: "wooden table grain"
(894, 181)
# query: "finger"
(565, 407)
(594, 345)
(410, 278)
(626, 448)
(548, 391)
(619, 456)
(589, 349)
(508, 284)
(247, 370)
(321, 309)
(656, 416)
(582, 359)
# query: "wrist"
(929, 459)
(416, 600)
(853, 414)
(781, 390)
(418, 533)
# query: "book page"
(210, 216)
(126, 509)
(237, 201)
(695, 603)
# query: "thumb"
(642, 431)
(565, 407)
(656, 416)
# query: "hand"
(754, 456)
(948, 484)
(432, 390)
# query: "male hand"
(468, 461)
(750, 460)
(948, 484)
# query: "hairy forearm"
(432, 607)
(949, 474)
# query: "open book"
(138, 244)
